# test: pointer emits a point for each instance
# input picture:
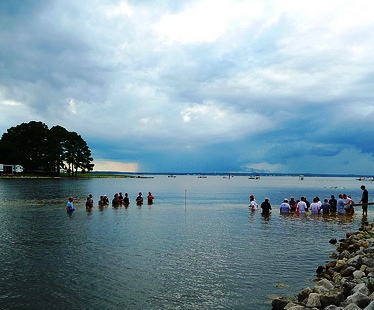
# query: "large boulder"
(359, 299)
(334, 298)
(313, 301)
(279, 303)
(355, 262)
(347, 271)
(362, 288)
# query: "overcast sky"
(196, 86)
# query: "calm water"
(197, 247)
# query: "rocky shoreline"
(346, 282)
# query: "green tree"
(78, 155)
(39, 149)
(56, 140)
(25, 144)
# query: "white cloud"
(192, 76)
(72, 106)
(207, 20)
(117, 10)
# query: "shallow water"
(197, 247)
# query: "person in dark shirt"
(266, 207)
(292, 204)
(120, 197)
(126, 200)
(307, 204)
(364, 200)
(115, 201)
(139, 199)
(89, 203)
(333, 202)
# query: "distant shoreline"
(79, 176)
(114, 174)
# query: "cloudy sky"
(196, 86)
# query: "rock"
(345, 255)
(279, 303)
(330, 264)
(304, 294)
(346, 282)
(358, 274)
(352, 307)
(368, 261)
(332, 298)
(325, 283)
(370, 273)
(339, 264)
(359, 299)
(369, 250)
(355, 262)
(320, 289)
(342, 246)
(292, 305)
(347, 271)
(347, 287)
(361, 287)
(313, 301)
(332, 307)
(370, 306)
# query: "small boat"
(172, 176)
(254, 177)
(202, 176)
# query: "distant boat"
(361, 179)
(172, 176)
(144, 177)
(254, 177)
(301, 177)
(202, 176)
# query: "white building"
(10, 169)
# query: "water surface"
(197, 247)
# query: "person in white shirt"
(314, 206)
(252, 203)
(301, 206)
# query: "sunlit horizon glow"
(113, 166)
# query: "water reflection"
(203, 250)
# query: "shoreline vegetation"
(346, 283)
(66, 176)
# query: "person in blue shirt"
(325, 207)
(70, 205)
(341, 204)
(285, 207)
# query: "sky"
(165, 86)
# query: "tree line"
(46, 151)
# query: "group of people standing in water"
(344, 205)
(117, 201)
